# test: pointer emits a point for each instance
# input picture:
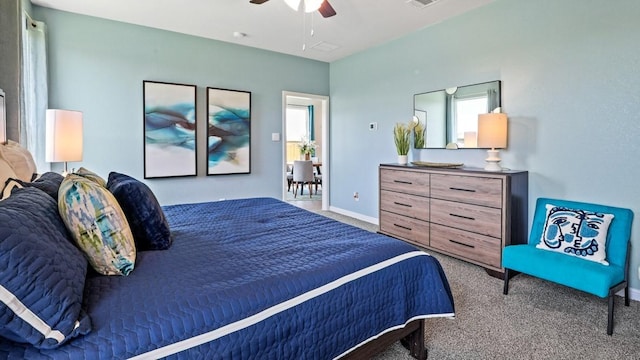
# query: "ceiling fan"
(324, 8)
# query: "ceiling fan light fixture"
(312, 5)
(294, 4)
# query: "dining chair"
(302, 174)
(289, 174)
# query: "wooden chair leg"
(310, 190)
(505, 289)
(295, 190)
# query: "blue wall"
(569, 72)
(97, 66)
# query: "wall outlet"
(373, 126)
(356, 196)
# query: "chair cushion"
(144, 214)
(43, 273)
(588, 276)
(98, 225)
(576, 232)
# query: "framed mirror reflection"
(449, 117)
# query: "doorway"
(305, 120)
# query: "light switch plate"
(275, 136)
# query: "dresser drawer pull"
(463, 244)
(402, 227)
(463, 217)
(403, 182)
(461, 189)
(401, 204)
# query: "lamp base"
(493, 160)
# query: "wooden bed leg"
(414, 342)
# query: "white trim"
(276, 309)
(634, 294)
(24, 313)
(354, 215)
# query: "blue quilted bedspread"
(255, 278)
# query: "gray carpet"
(537, 320)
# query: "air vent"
(324, 46)
(421, 3)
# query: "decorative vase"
(307, 157)
(403, 159)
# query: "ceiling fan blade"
(326, 10)
(258, 1)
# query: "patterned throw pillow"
(91, 176)
(98, 225)
(144, 214)
(576, 232)
(43, 273)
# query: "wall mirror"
(450, 116)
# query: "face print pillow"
(576, 232)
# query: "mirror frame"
(439, 105)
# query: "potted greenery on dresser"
(402, 138)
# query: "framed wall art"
(229, 131)
(169, 129)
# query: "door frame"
(324, 101)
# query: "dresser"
(467, 213)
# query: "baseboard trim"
(354, 215)
(634, 294)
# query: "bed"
(257, 279)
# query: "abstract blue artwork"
(229, 131)
(169, 129)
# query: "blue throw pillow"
(43, 273)
(48, 182)
(145, 216)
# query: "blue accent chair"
(585, 275)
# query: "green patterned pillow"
(98, 225)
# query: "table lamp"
(63, 136)
(492, 134)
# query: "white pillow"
(576, 232)
(6, 173)
(19, 159)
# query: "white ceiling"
(359, 24)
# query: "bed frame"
(411, 337)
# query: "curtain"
(34, 91)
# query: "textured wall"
(569, 72)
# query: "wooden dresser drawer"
(478, 219)
(404, 227)
(408, 182)
(474, 190)
(472, 246)
(405, 204)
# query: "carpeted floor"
(537, 320)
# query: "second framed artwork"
(228, 131)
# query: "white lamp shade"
(63, 136)
(470, 139)
(492, 130)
